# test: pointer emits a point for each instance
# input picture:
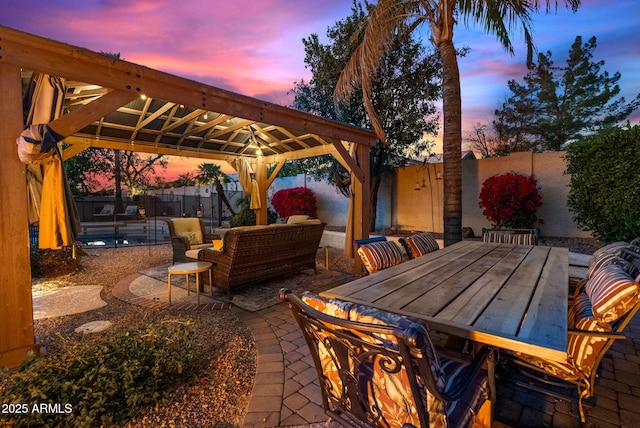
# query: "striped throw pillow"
(380, 255)
(612, 292)
(421, 244)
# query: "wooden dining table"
(508, 296)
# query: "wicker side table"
(186, 269)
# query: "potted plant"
(510, 201)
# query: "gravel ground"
(220, 394)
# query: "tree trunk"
(119, 206)
(373, 203)
(223, 196)
(452, 143)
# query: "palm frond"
(386, 21)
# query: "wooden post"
(261, 178)
(362, 201)
(16, 307)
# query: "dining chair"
(511, 236)
(419, 244)
(380, 369)
(380, 255)
(597, 317)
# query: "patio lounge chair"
(188, 234)
(380, 369)
(105, 214)
(130, 213)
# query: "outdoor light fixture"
(254, 141)
(419, 186)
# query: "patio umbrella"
(249, 185)
(51, 205)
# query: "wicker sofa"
(256, 253)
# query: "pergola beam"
(71, 62)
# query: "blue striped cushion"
(380, 255)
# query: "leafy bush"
(105, 381)
(510, 200)
(603, 195)
(247, 217)
(298, 200)
(53, 263)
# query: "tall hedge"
(605, 184)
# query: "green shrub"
(604, 196)
(247, 217)
(54, 263)
(105, 381)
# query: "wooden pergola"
(115, 104)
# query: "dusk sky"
(254, 47)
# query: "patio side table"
(186, 269)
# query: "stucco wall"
(414, 207)
(403, 207)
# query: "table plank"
(465, 272)
(469, 305)
(507, 310)
(550, 304)
(399, 273)
(428, 280)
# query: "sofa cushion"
(612, 292)
(292, 219)
(421, 244)
(380, 255)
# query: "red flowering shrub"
(510, 200)
(298, 200)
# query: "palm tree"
(390, 19)
(211, 173)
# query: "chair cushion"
(380, 255)
(392, 392)
(604, 259)
(613, 248)
(582, 350)
(421, 244)
(612, 293)
(388, 390)
(190, 229)
(463, 411)
(194, 238)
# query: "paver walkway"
(286, 392)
